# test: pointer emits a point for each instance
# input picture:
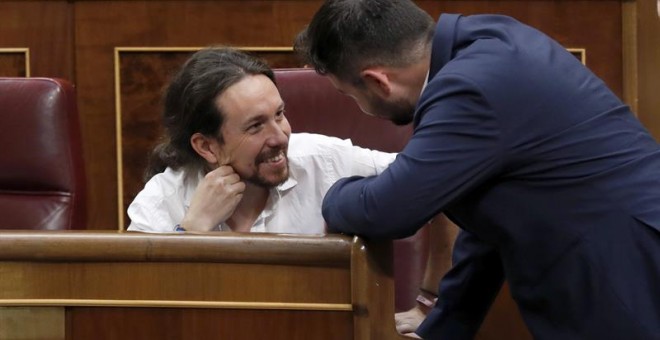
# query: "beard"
(400, 112)
(269, 181)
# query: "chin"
(398, 112)
(270, 181)
(400, 121)
(402, 118)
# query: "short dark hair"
(189, 103)
(345, 36)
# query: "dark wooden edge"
(226, 247)
(372, 289)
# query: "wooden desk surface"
(111, 285)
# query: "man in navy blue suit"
(553, 181)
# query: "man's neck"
(248, 210)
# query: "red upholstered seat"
(314, 105)
(42, 178)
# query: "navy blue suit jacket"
(553, 180)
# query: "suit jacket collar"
(443, 42)
(441, 51)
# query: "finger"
(224, 170)
(405, 328)
(231, 179)
(236, 188)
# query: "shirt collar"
(426, 82)
(288, 184)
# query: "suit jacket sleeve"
(455, 147)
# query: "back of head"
(346, 36)
(189, 104)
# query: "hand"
(408, 321)
(411, 335)
(215, 199)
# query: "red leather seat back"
(314, 105)
(42, 181)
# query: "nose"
(278, 134)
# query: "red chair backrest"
(42, 177)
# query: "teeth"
(276, 158)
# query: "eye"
(280, 114)
(254, 128)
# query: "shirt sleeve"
(365, 162)
(453, 150)
(158, 207)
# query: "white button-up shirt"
(315, 163)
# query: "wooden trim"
(118, 138)
(372, 274)
(193, 49)
(213, 247)
(582, 51)
(178, 304)
(24, 50)
(118, 109)
(629, 46)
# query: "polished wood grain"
(44, 27)
(646, 76)
(595, 26)
(371, 276)
(226, 247)
(163, 323)
(14, 62)
(191, 286)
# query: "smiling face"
(255, 132)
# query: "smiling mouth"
(276, 158)
(279, 156)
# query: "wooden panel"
(187, 282)
(648, 64)
(45, 27)
(212, 285)
(14, 62)
(591, 25)
(143, 74)
(26, 323)
(85, 268)
(137, 323)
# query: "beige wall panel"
(30, 323)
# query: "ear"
(208, 148)
(377, 80)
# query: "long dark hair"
(189, 104)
